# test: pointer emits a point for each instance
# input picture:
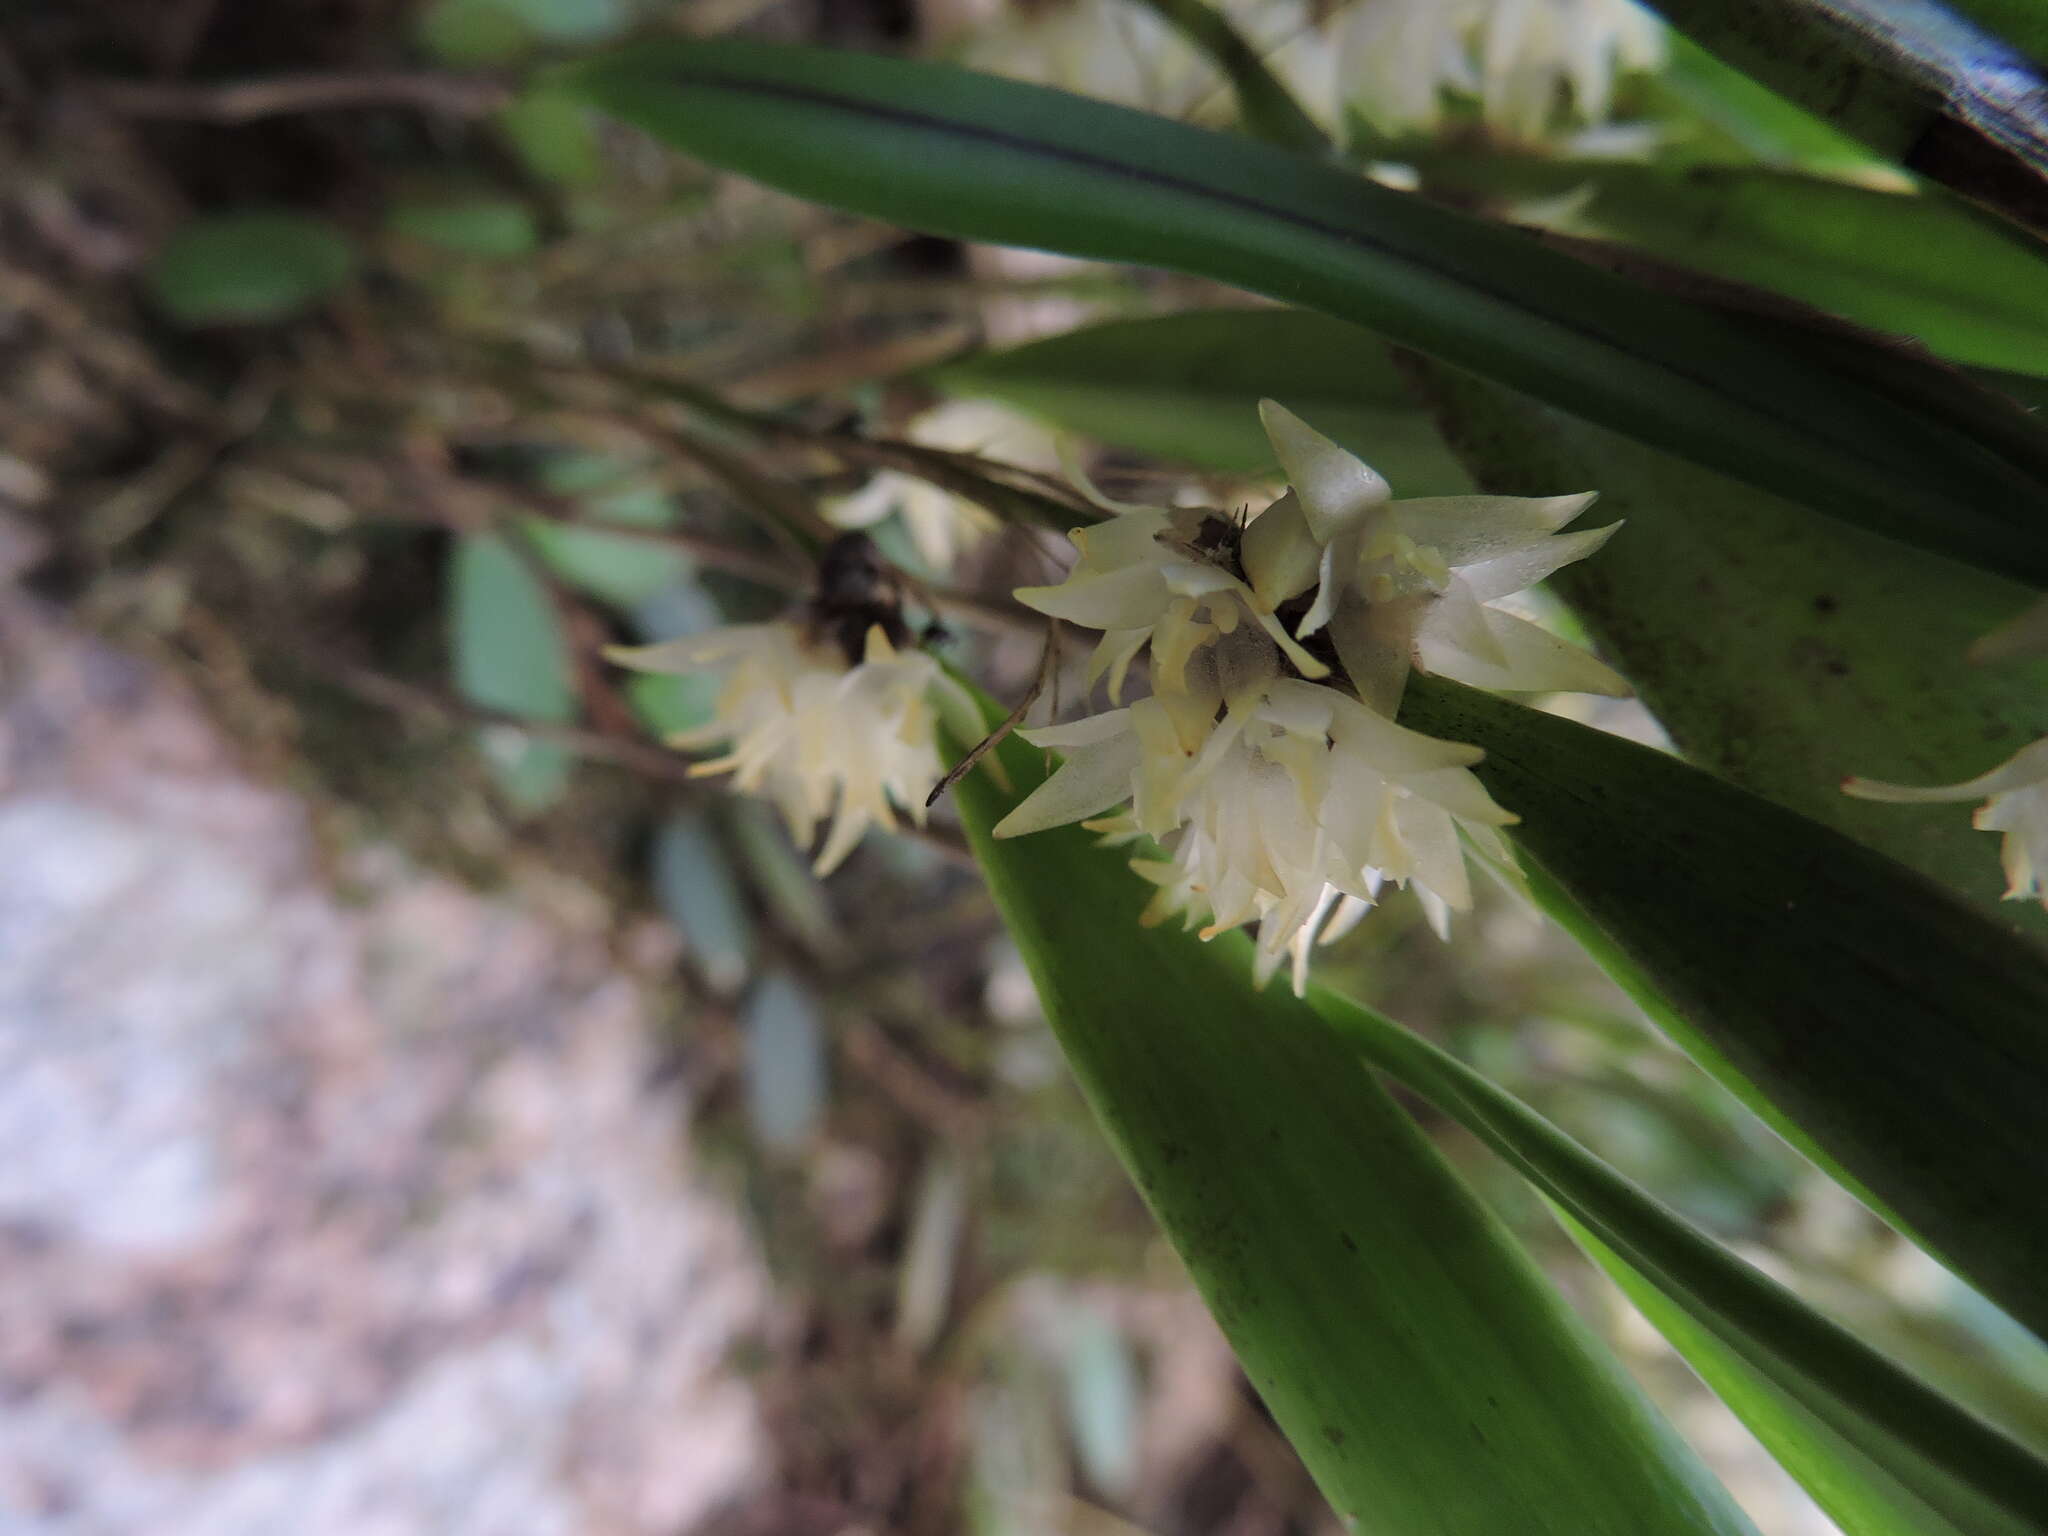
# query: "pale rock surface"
(367, 1214)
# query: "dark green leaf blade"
(1902, 1030)
(1925, 265)
(1427, 1376)
(944, 150)
(1881, 1450)
(1186, 387)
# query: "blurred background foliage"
(375, 390)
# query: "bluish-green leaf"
(259, 265)
(941, 149)
(509, 654)
(694, 881)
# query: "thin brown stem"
(244, 101)
(421, 702)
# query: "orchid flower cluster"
(831, 712)
(1276, 794)
(1393, 62)
(1264, 763)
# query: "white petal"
(1280, 554)
(692, 653)
(1130, 597)
(868, 505)
(1389, 748)
(1438, 858)
(1085, 732)
(1088, 783)
(848, 827)
(1460, 793)
(1374, 641)
(1130, 538)
(1531, 660)
(1457, 622)
(1524, 567)
(1338, 490)
(1113, 654)
(2027, 766)
(1468, 529)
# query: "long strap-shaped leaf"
(1861, 1419)
(1920, 82)
(1427, 1375)
(940, 149)
(1903, 1031)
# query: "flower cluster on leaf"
(1266, 764)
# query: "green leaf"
(699, 893)
(473, 31)
(1819, 419)
(555, 136)
(263, 265)
(1186, 388)
(1427, 1376)
(622, 570)
(1886, 1017)
(787, 1075)
(1782, 650)
(1755, 118)
(510, 655)
(1917, 81)
(496, 228)
(1853, 1487)
(1922, 265)
(1881, 1450)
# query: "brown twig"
(1048, 661)
(421, 702)
(783, 575)
(243, 101)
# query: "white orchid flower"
(813, 735)
(1276, 800)
(1413, 583)
(1398, 58)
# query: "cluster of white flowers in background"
(814, 731)
(1397, 59)
(1276, 795)
(1394, 62)
(2016, 791)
